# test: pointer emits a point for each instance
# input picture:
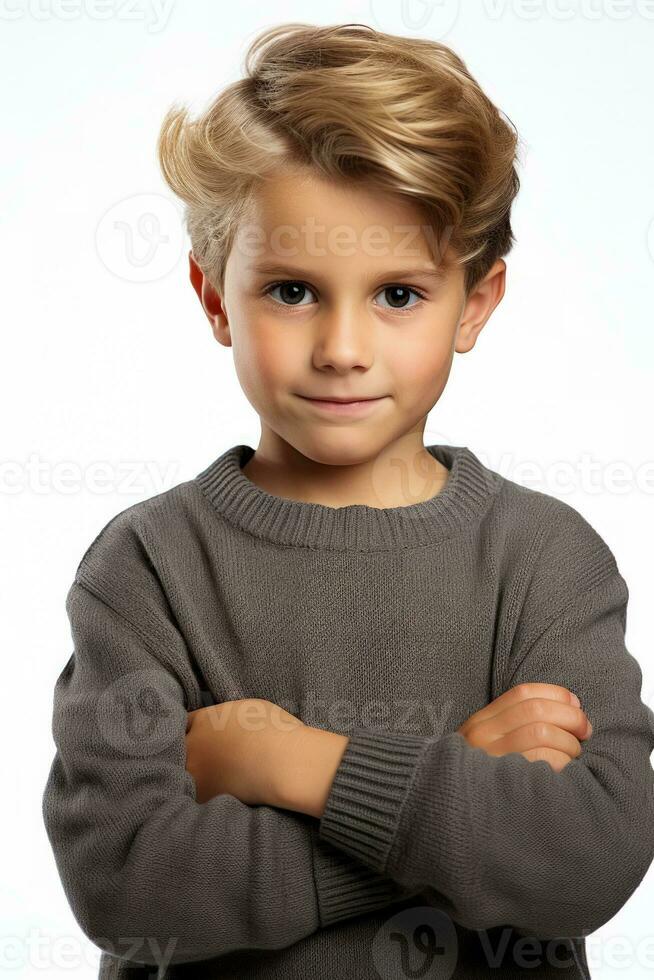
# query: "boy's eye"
(398, 295)
(292, 292)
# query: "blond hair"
(353, 104)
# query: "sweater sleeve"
(506, 841)
(137, 855)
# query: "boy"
(330, 703)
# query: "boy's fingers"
(539, 716)
(535, 714)
(521, 692)
(529, 737)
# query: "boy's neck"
(307, 486)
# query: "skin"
(359, 328)
(264, 755)
(343, 337)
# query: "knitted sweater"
(432, 858)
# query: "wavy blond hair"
(352, 103)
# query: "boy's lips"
(353, 398)
(355, 407)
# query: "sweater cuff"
(365, 801)
(346, 887)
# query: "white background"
(113, 388)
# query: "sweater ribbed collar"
(469, 491)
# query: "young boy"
(329, 708)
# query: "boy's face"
(332, 292)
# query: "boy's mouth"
(342, 406)
(348, 399)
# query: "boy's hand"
(234, 747)
(540, 721)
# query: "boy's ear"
(479, 305)
(211, 302)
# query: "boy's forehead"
(299, 218)
(295, 199)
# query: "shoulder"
(552, 552)
(121, 564)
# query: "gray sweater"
(432, 858)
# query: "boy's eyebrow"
(438, 274)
